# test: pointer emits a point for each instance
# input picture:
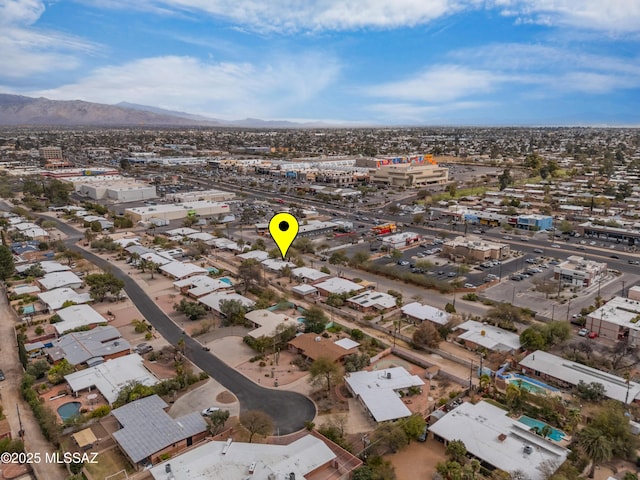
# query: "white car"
(555, 245)
(208, 411)
(583, 332)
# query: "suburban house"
(373, 302)
(112, 376)
(201, 285)
(498, 440)
(308, 275)
(476, 335)
(212, 300)
(566, 373)
(59, 280)
(77, 316)
(378, 390)
(312, 346)
(89, 348)
(266, 322)
(56, 298)
(338, 286)
(417, 313)
(148, 433)
(180, 271)
(309, 456)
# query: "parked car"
(469, 285)
(1, 375)
(423, 435)
(517, 278)
(142, 348)
(592, 334)
(583, 332)
(555, 245)
(208, 411)
(452, 274)
(537, 250)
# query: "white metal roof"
(371, 298)
(309, 273)
(111, 376)
(489, 434)
(257, 254)
(50, 266)
(59, 279)
(276, 264)
(304, 289)
(347, 343)
(54, 299)
(213, 299)
(572, 373)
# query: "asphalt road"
(289, 410)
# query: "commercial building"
(148, 433)
(629, 235)
(566, 373)
(378, 391)
(211, 195)
(618, 319)
(401, 240)
(410, 175)
(474, 249)
(177, 211)
(118, 191)
(499, 441)
(311, 456)
(534, 222)
(575, 270)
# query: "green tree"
(359, 258)
(413, 426)
(456, 450)
(38, 368)
(101, 284)
(325, 372)
(596, 446)
(217, 421)
(249, 272)
(338, 257)
(7, 265)
(256, 422)
(69, 256)
(304, 245)
(315, 320)
(505, 179)
(233, 311)
(396, 255)
(355, 362)
(533, 338)
(193, 310)
(59, 370)
(390, 437)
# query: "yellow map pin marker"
(283, 228)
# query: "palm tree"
(596, 446)
(153, 267)
(573, 418)
(484, 381)
(513, 396)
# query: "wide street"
(289, 410)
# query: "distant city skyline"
(342, 62)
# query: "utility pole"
(623, 282)
(568, 307)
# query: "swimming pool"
(226, 280)
(530, 384)
(556, 435)
(69, 410)
(29, 309)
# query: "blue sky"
(384, 62)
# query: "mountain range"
(18, 110)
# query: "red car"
(592, 335)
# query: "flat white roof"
(231, 460)
(572, 372)
(339, 285)
(426, 312)
(489, 434)
(619, 311)
(184, 231)
(213, 300)
(347, 343)
(54, 299)
(181, 270)
(59, 279)
(370, 298)
(309, 273)
(268, 322)
(377, 390)
(202, 284)
(22, 289)
(257, 254)
(77, 316)
(276, 264)
(488, 336)
(112, 376)
(176, 207)
(50, 266)
(304, 289)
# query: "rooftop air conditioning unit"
(388, 374)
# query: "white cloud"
(224, 90)
(412, 113)
(621, 16)
(26, 50)
(439, 84)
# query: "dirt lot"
(417, 460)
